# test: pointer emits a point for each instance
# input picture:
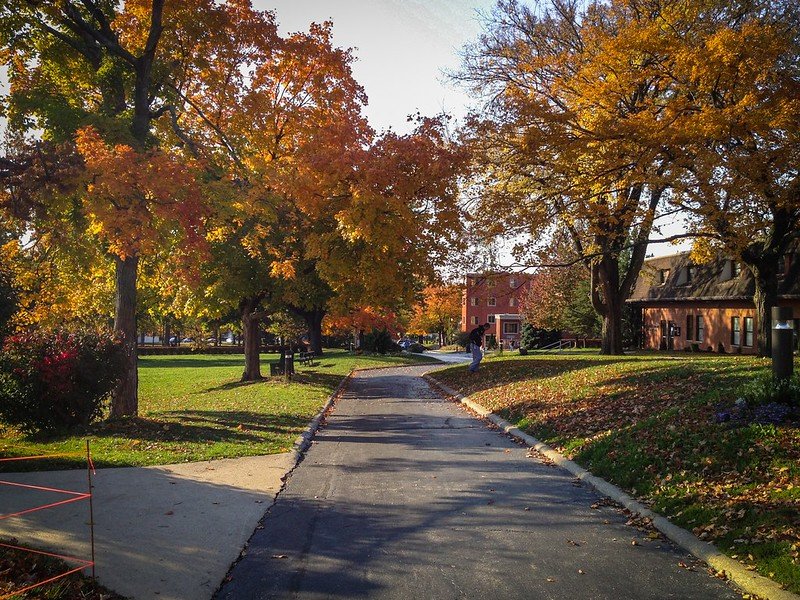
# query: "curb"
(303, 441)
(748, 581)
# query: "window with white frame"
(491, 319)
(512, 301)
(510, 327)
(748, 331)
(512, 282)
(492, 301)
(736, 332)
(474, 320)
(473, 301)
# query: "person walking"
(476, 342)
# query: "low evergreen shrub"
(380, 341)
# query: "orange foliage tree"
(439, 311)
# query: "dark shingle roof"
(711, 281)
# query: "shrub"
(533, 337)
(55, 380)
(764, 389)
(380, 341)
(416, 348)
(462, 339)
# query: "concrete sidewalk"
(167, 532)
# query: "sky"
(402, 48)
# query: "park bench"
(306, 358)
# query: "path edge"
(748, 581)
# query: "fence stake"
(91, 505)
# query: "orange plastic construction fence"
(72, 496)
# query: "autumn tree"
(439, 311)
(734, 132)
(340, 215)
(559, 142)
(94, 78)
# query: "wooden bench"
(306, 358)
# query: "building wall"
(481, 288)
(717, 320)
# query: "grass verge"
(194, 408)
(647, 423)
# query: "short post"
(288, 364)
(782, 340)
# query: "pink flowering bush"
(52, 380)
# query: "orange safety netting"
(73, 497)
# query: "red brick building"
(706, 307)
(494, 298)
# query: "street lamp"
(782, 341)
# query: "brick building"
(494, 298)
(710, 306)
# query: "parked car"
(404, 344)
(187, 340)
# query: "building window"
(691, 274)
(512, 301)
(492, 301)
(474, 320)
(512, 282)
(491, 319)
(470, 281)
(748, 331)
(690, 327)
(736, 332)
(510, 327)
(491, 283)
(663, 275)
(736, 268)
(699, 329)
(473, 301)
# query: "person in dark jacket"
(476, 342)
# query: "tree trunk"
(251, 332)
(765, 296)
(612, 330)
(605, 277)
(314, 322)
(125, 401)
(167, 332)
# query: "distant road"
(450, 357)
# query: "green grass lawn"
(647, 423)
(194, 408)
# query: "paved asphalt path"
(404, 495)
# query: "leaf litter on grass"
(647, 422)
